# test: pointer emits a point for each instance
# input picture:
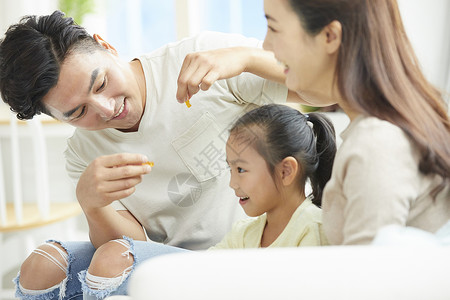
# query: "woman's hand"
(201, 69)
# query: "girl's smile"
(250, 178)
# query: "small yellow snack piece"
(188, 104)
(150, 163)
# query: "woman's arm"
(201, 69)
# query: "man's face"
(96, 90)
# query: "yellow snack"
(150, 163)
(188, 104)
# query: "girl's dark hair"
(277, 131)
(378, 73)
(31, 54)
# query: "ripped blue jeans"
(79, 284)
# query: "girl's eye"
(240, 170)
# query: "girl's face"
(96, 90)
(308, 66)
(250, 178)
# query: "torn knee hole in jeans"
(61, 265)
(106, 283)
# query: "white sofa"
(402, 263)
(343, 272)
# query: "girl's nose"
(233, 182)
(105, 107)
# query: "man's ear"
(332, 36)
(105, 44)
(288, 169)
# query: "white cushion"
(339, 272)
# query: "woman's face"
(309, 68)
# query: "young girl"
(393, 166)
(272, 151)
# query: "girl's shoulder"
(308, 212)
(249, 223)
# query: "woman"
(393, 166)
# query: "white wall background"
(12, 10)
(427, 24)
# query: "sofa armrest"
(344, 272)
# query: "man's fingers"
(127, 171)
(121, 159)
(123, 184)
(117, 195)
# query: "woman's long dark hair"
(277, 131)
(378, 73)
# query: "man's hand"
(109, 178)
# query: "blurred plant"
(76, 9)
(307, 108)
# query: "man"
(126, 114)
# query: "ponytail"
(326, 151)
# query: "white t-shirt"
(186, 200)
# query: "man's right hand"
(109, 178)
